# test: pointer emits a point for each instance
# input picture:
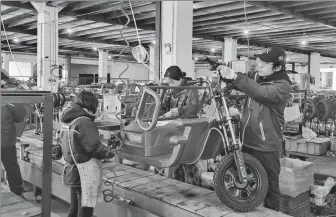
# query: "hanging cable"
(247, 36)
(10, 50)
(109, 195)
(140, 53)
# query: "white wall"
(326, 77)
(134, 71)
(20, 69)
(201, 71)
(77, 69)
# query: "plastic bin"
(303, 211)
(296, 176)
(291, 142)
(302, 146)
(292, 203)
(318, 146)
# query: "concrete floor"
(57, 207)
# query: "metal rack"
(45, 97)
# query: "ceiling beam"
(328, 11)
(223, 6)
(24, 50)
(15, 13)
(221, 15)
(18, 4)
(22, 21)
(208, 3)
(69, 37)
(89, 4)
(266, 15)
(292, 13)
(315, 5)
(61, 6)
(288, 4)
(104, 27)
(66, 49)
(141, 9)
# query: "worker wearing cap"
(10, 115)
(262, 121)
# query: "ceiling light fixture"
(69, 30)
(303, 42)
(109, 56)
(212, 49)
(153, 41)
(246, 32)
(94, 48)
(16, 40)
(287, 59)
(196, 58)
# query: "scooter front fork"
(241, 170)
(238, 156)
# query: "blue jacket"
(263, 113)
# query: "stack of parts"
(296, 177)
(324, 195)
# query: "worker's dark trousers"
(76, 210)
(271, 163)
(10, 162)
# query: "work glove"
(234, 111)
(172, 113)
(227, 72)
(111, 153)
(3, 83)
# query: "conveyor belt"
(157, 195)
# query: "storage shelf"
(322, 157)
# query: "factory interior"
(210, 108)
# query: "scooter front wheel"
(241, 197)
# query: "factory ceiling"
(300, 27)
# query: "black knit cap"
(174, 72)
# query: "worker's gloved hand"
(234, 111)
(227, 72)
(111, 153)
(3, 83)
(172, 113)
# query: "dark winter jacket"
(10, 114)
(263, 114)
(85, 142)
(187, 101)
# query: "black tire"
(323, 110)
(55, 100)
(62, 99)
(261, 182)
(310, 110)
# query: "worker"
(83, 153)
(10, 115)
(263, 114)
(184, 102)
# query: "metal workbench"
(45, 97)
